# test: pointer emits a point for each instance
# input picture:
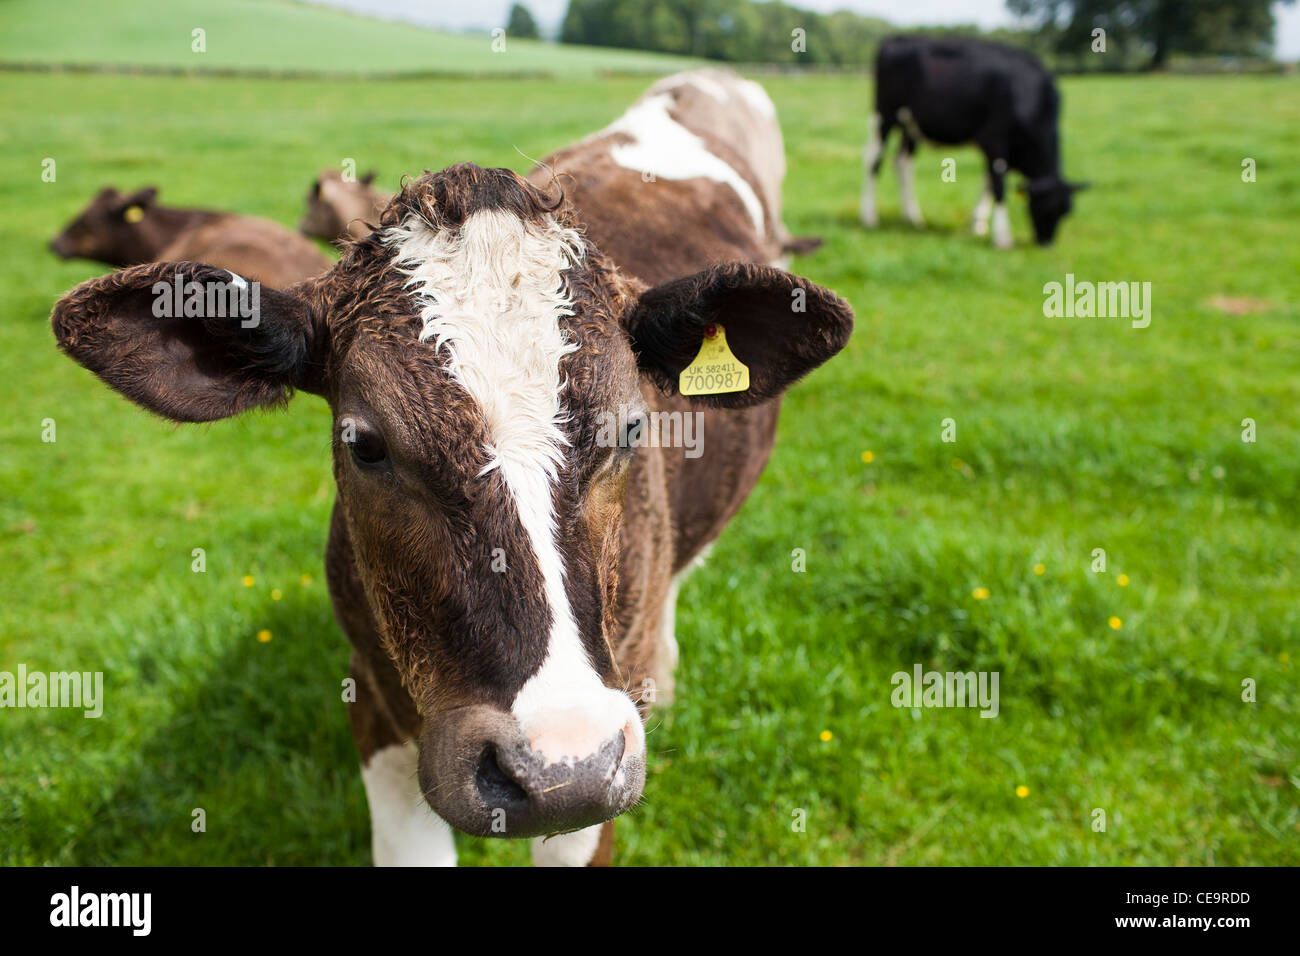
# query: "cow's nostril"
(495, 786)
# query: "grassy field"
(1071, 435)
(280, 35)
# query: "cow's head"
(339, 208)
(114, 228)
(468, 349)
(1050, 200)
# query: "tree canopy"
(1156, 27)
(734, 30)
(521, 24)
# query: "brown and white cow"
(339, 208)
(709, 124)
(506, 576)
(129, 229)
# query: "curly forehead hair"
(367, 289)
(444, 200)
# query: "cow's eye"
(367, 449)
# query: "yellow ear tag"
(133, 214)
(715, 371)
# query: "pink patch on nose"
(631, 742)
(574, 735)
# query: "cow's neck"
(1038, 156)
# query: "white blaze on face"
(664, 148)
(491, 297)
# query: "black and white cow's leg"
(998, 188)
(872, 153)
(983, 209)
(905, 162)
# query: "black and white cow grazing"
(956, 91)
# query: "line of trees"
(1138, 32)
(1150, 31)
(732, 30)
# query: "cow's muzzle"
(479, 773)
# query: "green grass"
(283, 36)
(1072, 434)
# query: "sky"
(484, 14)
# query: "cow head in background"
(1050, 200)
(115, 228)
(338, 207)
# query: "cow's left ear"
(778, 325)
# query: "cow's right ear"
(192, 342)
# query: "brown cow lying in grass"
(339, 208)
(127, 230)
(506, 546)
